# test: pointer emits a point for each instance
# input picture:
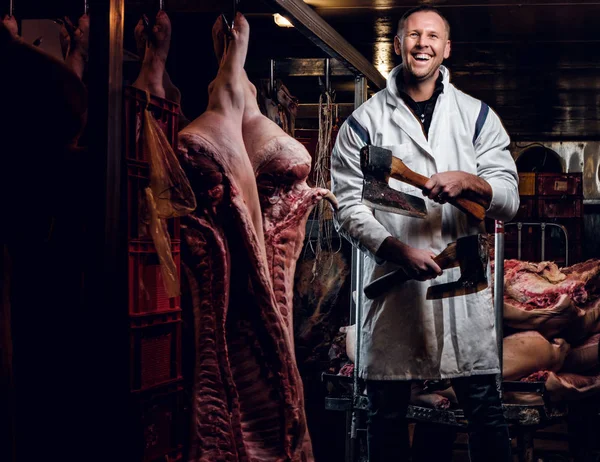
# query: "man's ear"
(447, 49)
(397, 45)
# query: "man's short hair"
(419, 9)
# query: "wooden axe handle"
(402, 173)
(446, 259)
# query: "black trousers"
(387, 429)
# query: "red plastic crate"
(559, 184)
(155, 344)
(138, 174)
(147, 293)
(560, 207)
(165, 112)
(527, 209)
(161, 422)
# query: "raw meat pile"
(558, 312)
(555, 316)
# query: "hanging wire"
(327, 117)
(10, 8)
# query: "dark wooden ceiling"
(537, 63)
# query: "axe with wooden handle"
(446, 259)
(470, 253)
(378, 165)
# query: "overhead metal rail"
(309, 23)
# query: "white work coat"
(403, 335)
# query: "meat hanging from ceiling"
(239, 250)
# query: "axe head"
(376, 164)
(472, 253)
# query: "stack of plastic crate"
(551, 198)
(154, 318)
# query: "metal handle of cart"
(499, 292)
(360, 96)
(542, 225)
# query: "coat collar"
(392, 90)
(403, 116)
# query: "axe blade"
(454, 289)
(378, 195)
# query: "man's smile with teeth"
(422, 57)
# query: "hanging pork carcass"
(241, 247)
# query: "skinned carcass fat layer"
(567, 386)
(350, 341)
(585, 325)
(540, 284)
(429, 400)
(583, 358)
(538, 296)
(527, 352)
(546, 269)
(247, 395)
(588, 272)
(281, 165)
(549, 321)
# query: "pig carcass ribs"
(239, 249)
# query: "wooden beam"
(304, 18)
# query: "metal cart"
(543, 226)
(346, 393)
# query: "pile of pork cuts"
(552, 333)
(556, 315)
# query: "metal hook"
(146, 22)
(272, 91)
(233, 13)
(226, 26)
(327, 75)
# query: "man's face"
(423, 44)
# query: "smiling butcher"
(461, 145)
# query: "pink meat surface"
(540, 284)
(528, 352)
(247, 402)
(584, 357)
(565, 386)
(588, 272)
(429, 400)
(550, 320)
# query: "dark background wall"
(534, 62)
